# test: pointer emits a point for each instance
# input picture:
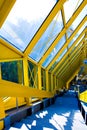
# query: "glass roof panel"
(77, 21)
(77, 35)
(77, 44)
(60, 57)
(55, 51)
(47, 38)
(72, 6)
(27, 16)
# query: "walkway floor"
(63, 115)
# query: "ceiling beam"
(61, 34)
(5, 7)
(43, 27)
(67, 43)
(17, 90)
(69, 50)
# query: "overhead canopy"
(50, 33)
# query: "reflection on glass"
(77, 44)
(55, 51)
(47, 38)
(24, 20)
(77, 21)
(60, 57)
(70, 7)
(77, 35)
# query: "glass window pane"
(47, 38)
(77, 35)
(70, 7)
(27, 16)
(55, 51)
(77, 44)
(77, 21)
(60, 57)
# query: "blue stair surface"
(64, 114)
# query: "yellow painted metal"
(67, 71)
(71, 78)
(83, 96)
(52, 83)
(77, 12)
(25, 69)
(26, 78)
(5, 7)
(70, 49)
(10, 102)
(1, 125)
(70, 71)
(67, 42)
(18, 90)
(71, 57)
(20, 72)
(0, 72)
(42, 29)
(35, 76)
(2, 114)
(9, 51)
(47, 81)
(67, 53)
(39, 78)
(70, 63)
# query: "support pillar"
(26, 78)
(47, 81)
(39, 78)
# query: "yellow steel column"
(39, 78)
(20, 72)
(2, 114)
(51, 82)
(25, 69)
(2, 111)
(0, 72)
(47, 81)
(26, 78)
(35, 77)
(54, 83)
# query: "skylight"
(24, 20)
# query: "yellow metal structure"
(83, 96)
(5, 7)
(34, 80)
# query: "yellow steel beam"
(17, 90)
(8, 52)
(60, 35)
(5, 7)
(60, 68)
(0, 72)
(39, 78)
(8, 60)
(71, 57)
(45, 24)
(69, 72)
(47, 81)
(25, 70)
(67, 42)
(68, 67)
(51, 82)
(70, 62)
(69, 50)
(72, 77)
